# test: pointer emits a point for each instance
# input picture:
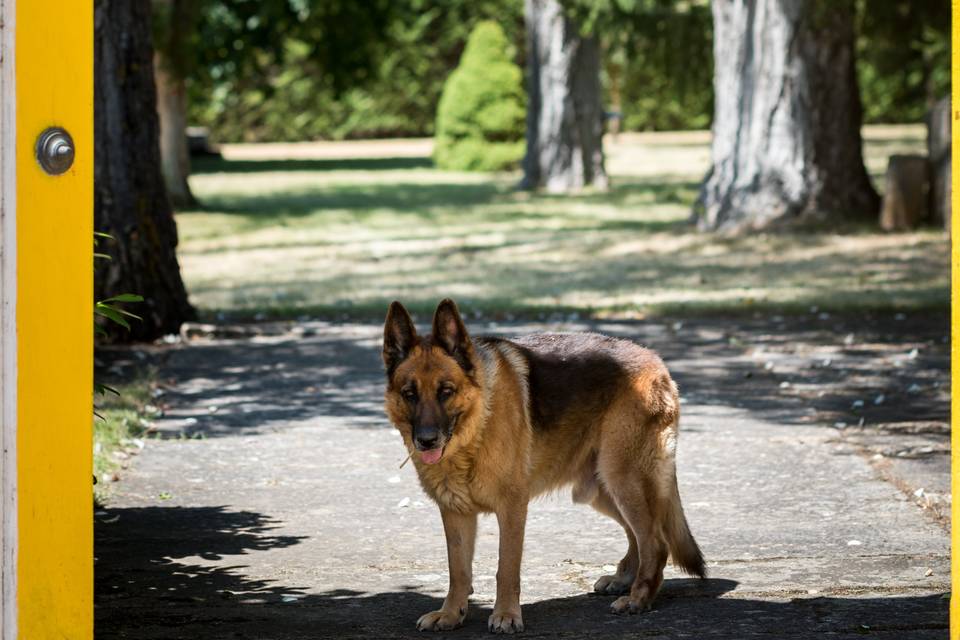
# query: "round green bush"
(480, 118)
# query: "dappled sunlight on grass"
(331, 240)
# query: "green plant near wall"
(114, 428)
(111, 311)
(480, 118)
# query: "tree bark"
(938, 153)
(170, 70)
(786, 131)
(174, 152)
(130, 201)
(565, 111)
(905, 197)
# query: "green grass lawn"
(301, 230)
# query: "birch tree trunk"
(565, 110)
(130, 201)
(177, 19)
(786, 131)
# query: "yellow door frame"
(46, 309)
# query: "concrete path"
(275, 508)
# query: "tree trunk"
(170, 64)
(786, 131)
(564, 112)
(130, 201)
(938, 153)
(906, 198)
(174, 152)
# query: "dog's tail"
(684, 550)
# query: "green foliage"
(291, 94)
(266, 70)
(903, 57)
(658, 67)
(111, 311)
(480, 119)
(116, 417)
(110, 308)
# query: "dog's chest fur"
(464, 482)
(449, 484)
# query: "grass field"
(340, 229)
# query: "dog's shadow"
(162, 568)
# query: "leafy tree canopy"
(302, 69)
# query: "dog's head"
(431, 380)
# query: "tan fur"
(620, 460)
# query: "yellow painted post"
(54, 220)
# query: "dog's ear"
(399, 336)
(450, 333)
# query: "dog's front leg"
(512, 519)
(461, 532)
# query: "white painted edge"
(8, 319)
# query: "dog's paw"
(441, 620)
(613, 585)
(630, 605)
(505, 622)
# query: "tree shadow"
(245, 386)
(149, 583)
(421, 197)
(360, 200)
(213, 164)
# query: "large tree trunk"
(564, 112)
(786, 130)
(170, 66)
(130, 201)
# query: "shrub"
(480, 118)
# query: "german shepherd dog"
(490, 423)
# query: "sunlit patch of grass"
(338, 241)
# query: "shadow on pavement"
(237, 387)
(151, 583)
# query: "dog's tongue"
(432, 456)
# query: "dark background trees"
(659, 58)
(270, 71)
(903, 57)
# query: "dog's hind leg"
(635, 501)
(621, 581)
(634, 461)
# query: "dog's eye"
(408, 394)
(444, 392)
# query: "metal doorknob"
(55, 151)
